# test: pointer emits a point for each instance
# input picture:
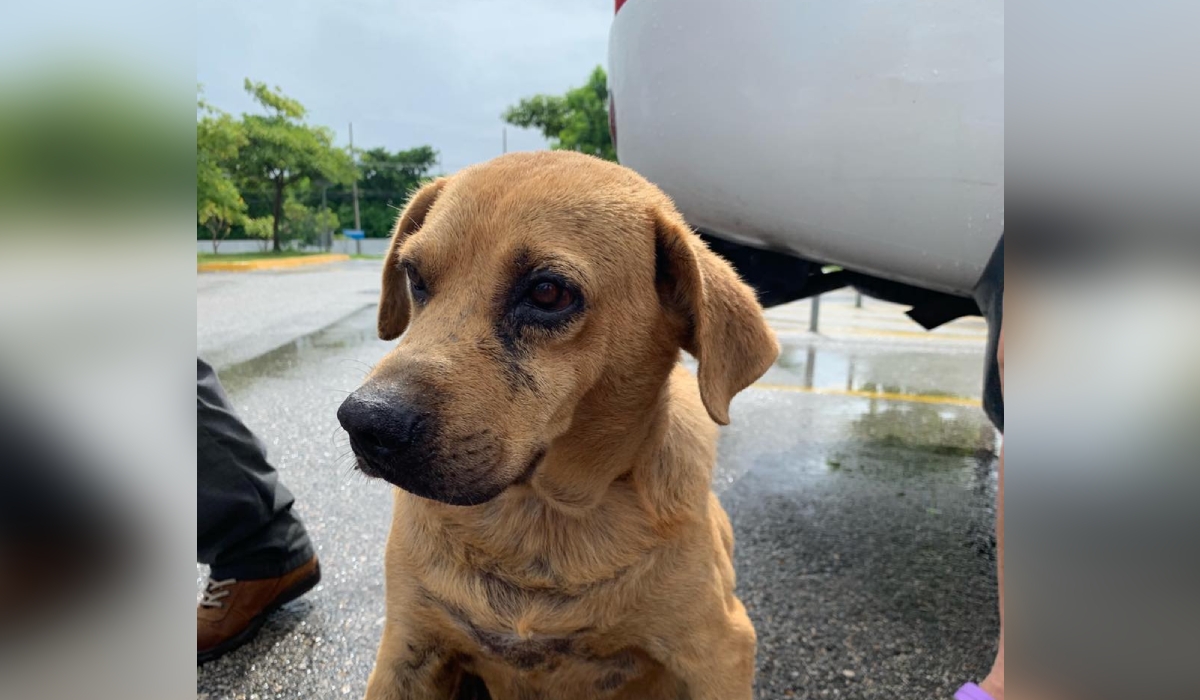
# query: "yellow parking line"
(919, 335)
(886, 396)
(915, 334)
(269, 263)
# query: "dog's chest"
(553, 667)
(533, 664)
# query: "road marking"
(884, 395)
(269, 263)
(918, 335)
(931, 335)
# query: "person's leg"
(989, 294)
(246, 527)
(994, 683)
(258, 551)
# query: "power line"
(354, 182)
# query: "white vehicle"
(797, 135)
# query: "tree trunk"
(278, 215)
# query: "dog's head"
(539, 292)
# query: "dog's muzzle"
(396, 440)
(388, 436)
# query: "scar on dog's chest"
(544, 665)
(550, 653)
(546, 652)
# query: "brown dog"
(554, 534)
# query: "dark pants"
(246, 528)
(989, 294)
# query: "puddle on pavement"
(887, 371)
(936, 430)
(352, 331)
(907, 412)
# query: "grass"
(239, 257)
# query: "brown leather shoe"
(231, 611)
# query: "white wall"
(370, 246)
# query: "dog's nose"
(380, 429)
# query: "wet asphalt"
(859, 475)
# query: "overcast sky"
(407, 73)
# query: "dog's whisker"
(366, 366)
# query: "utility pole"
(504, 140)
(354, 188)
(326, 236)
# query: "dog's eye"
(419, 291)
(550, 296)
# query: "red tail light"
(618, 3)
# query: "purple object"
(971, 691)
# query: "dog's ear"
(394, 303)
(722, 322)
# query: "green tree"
(304, 225)
(281, 150)
(219, 204)
(385, 181)
(260, 228)
(576, 121)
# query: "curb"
(279, 264)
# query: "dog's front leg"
(715, 660)
(409, 666)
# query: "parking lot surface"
(859, 475)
